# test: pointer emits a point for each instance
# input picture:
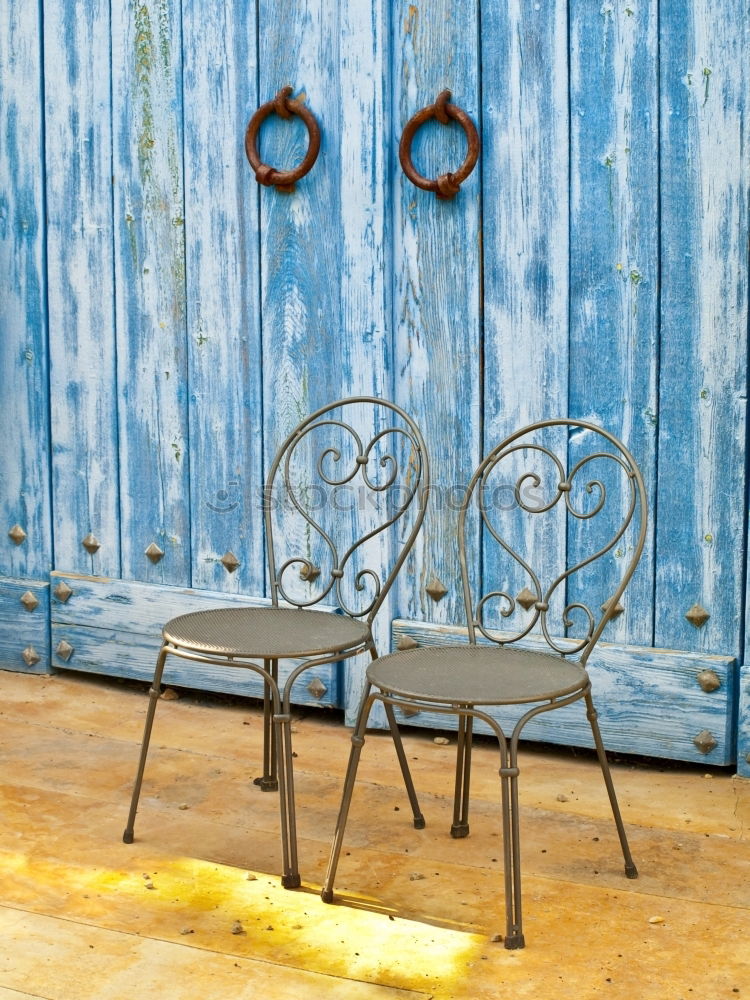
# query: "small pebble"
(183, 805)
(237, 928)
(149, 885)
(187, 930)
(442, 741)
(169, 694)
(415, 876)
(656, 920)
(251, 877)
(562, 798)
(496, 938)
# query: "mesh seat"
(572, 492)
(476, 675)
(265, 633)
(323, 551)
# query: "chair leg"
(390, 715)
(460, 826)
(358, 739)
(290, 878)
(151, 711)
(511, 854)
(591, 714)
(269, 781)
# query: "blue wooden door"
(165, 321)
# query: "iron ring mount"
(446, 185)
(284, 106)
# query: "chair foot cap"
(326, 895)
(631, 871)
(514, 941)
(419, 823)
(291, 881)
(459, 830)
(127, 837)
(267, 784)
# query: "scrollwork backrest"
(561, 511)
(344, 499)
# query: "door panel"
(614, 260)
(149, 215)
(437, 276)
(173, 320)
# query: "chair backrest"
(558, 510)
(343, 476)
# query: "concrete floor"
(193, 909)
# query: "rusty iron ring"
(446, 185)
(284, 106)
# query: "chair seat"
(476, 675)
(268, 633)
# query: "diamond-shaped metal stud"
(17, 534)
(91, 543)
(436, 589)
(709, 680)
(154, 553)
(30, 656)
(64, 650)
(29, 601)
(317, 688)
(230, 562)
(618, 609)
(705, 741)
(526, 599)
(697, 616)
(62, 591)
(406, 642)
(309, 572)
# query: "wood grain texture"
(23, 629)
(525, 240)
(437, 274)
(223, 316)
(649, 700)
(614, 259)
(703, 379)
(83, 367)
(24, 412)
(150, 281)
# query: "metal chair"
(349, 471)
(521, 490)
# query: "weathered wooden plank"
(24, 626)
(324, 248)
(366, 248)
(150, 282)
(649, 701)
(132, 654)
(525, 247)
(704, 316)
(437, 269)
(223, 315)
(83, 389)
(743, 723)
(614, 264)
(128, 606)
(115, 629)
(24, 413)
